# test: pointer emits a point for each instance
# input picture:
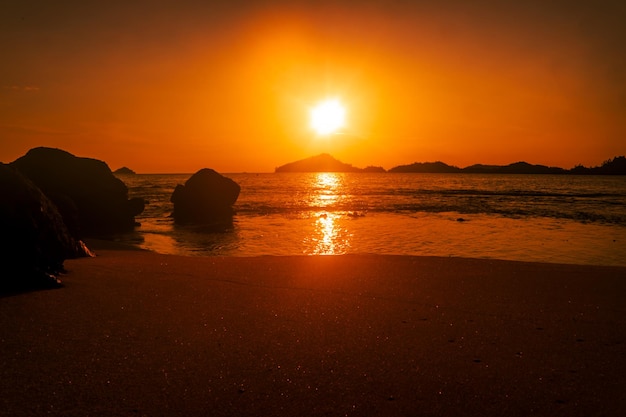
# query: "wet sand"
(135, 333)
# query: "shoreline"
(135, 332)
(102, 243)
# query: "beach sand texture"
(136, 333)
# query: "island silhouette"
(323, 163)
(124, 171)
(327, 163)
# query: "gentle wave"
(348, 209)
(542, 218)
(584, 199)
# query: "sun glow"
(328, 116)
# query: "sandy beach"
(134, 333)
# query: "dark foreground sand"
(135, 333)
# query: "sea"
(545, 218)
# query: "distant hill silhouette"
(124, 170)
(373, 169)
(432, 167)
(326, 163)
(515, 168)
(615, 166)
(323, 163)
(442, 168)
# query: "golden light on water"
(329, 185)
(328, 179)
(329, 235)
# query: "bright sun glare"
(328, 116)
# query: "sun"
(328, 116)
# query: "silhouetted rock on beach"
(207, 197)
(90, 198)
(34, 239)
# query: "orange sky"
(178, 86)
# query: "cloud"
(25, 88)
(33, 130)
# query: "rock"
(92, 201)
(34, 241)
(207, 197)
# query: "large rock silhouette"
(206, 198)
(90, 198)
(34, 241)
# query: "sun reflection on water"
(329, 236)
(327, 187)
(328, 180)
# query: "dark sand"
(135, 333)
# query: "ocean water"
(545, 218)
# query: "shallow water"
(564, 219)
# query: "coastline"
(139, 333)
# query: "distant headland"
(124, 171)
(326, 163)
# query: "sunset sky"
(175, 86)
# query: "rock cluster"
(34, 240)
(90, 198)
(49, 200)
